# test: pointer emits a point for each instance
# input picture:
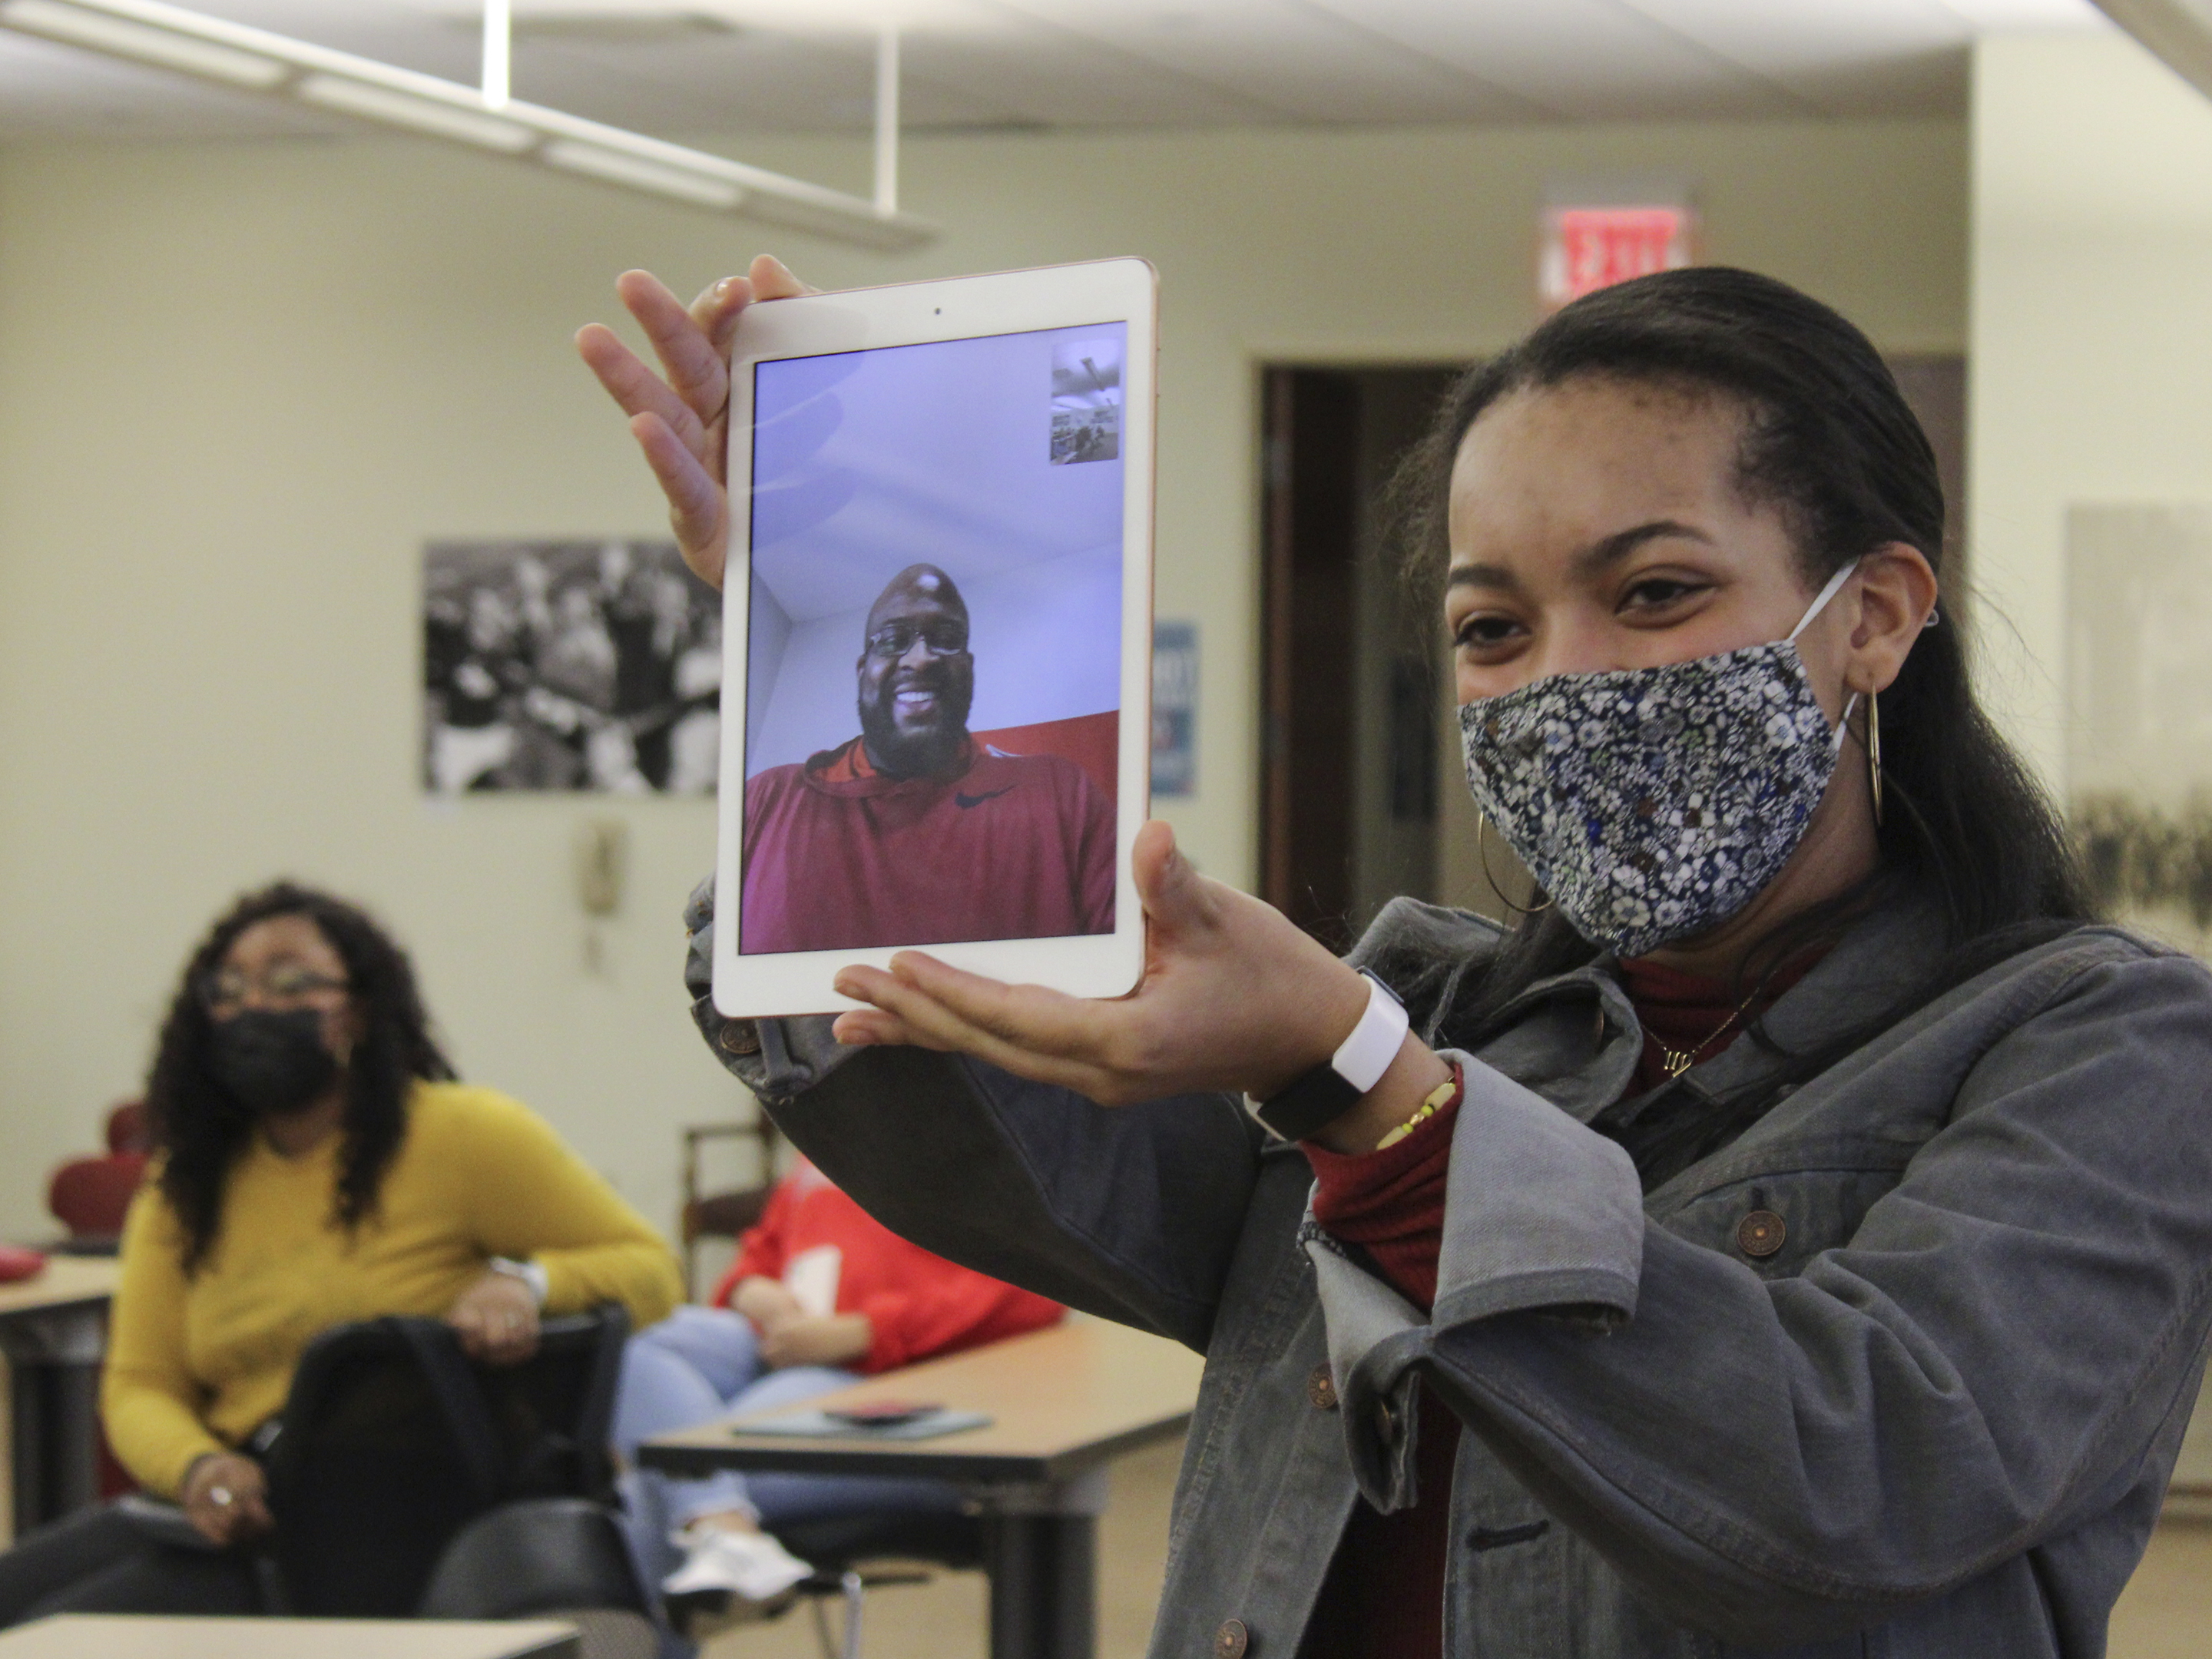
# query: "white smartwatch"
(1326, 1093)
(531, 1273)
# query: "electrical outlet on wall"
(602, 860)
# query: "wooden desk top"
(65, 1279)
(1061, 1400)
(114, 1635)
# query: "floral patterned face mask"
(1654, 803)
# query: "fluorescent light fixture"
(411, 110)
(121, 38)
(887, 119)
(601, 162)
(2177, 32)
(153, 32)
(498, 52)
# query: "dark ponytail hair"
(1830, 440)
(198, 1130)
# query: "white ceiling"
(729, 65)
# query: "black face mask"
(272, 1061)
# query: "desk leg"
(1043, 1596)
(1041, 1550)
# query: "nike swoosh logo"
(959, 799)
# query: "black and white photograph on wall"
(568, 665)
(2139, 690)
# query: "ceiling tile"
(1295, 59)
(805, 65)
(1842, 57)
(1578, 59)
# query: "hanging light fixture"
(484, 118)
(2176, 32)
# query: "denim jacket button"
(740, 1036)
(1320, 1389)
(1232, 1640)
(1760, 1233)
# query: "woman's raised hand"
(680, 417)
(1234, 997)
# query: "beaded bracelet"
(1439, 1097)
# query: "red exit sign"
(1588, 248)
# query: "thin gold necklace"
(1679, 1060)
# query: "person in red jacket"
(820, 1295)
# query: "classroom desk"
(118, 1636)
(1063, 1402)
(53, 1331)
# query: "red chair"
(88, 1195)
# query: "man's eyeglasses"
(894, 639)
(227, 988)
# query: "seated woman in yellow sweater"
(317, 1163)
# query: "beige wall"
(240, 384)
(2091, 353)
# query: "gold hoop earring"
(1482, 852)
(1874, 752)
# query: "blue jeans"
(702, 1364)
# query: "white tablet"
(937, 633)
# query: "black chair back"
(392, 1441)
(520, 1560)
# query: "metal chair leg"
(851, 1584)
(854, 1587)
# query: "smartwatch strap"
(1327, 1092)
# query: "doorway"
(1351, 699)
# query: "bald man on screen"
(914, 833)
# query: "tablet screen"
(933, 661)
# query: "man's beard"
(922, 753)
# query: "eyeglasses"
(894, 639)
(227, 988)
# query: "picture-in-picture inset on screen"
(935, 643)
(1086, 397)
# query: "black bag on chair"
(392, 1442)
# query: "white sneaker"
(748, 1564)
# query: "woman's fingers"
(1174, 895)
(772, 280)
(698, 508)
(253, 1516)
(1042, 1035)
(1050, 1022)
(716, 312)
(634, 386)
(677, 416)
(225, 1499)
(863, 1027)
(683, 336)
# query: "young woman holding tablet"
(1792, 1234)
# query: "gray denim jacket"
(1930, 1414)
